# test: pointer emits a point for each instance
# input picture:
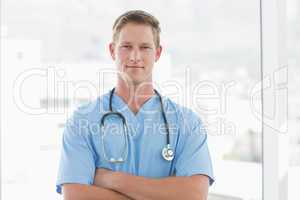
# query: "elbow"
(199, 187)
(72, 192)
(198, 195)
(192, 193)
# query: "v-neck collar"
(120, 105)
(136, 121)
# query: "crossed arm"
(109, 185)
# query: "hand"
(106, 178)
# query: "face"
(135, 53)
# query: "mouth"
(134, 67)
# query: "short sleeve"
(194, 157)
(77, 162)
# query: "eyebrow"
(148, 44)
(144, 43)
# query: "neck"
(134, 95)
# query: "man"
(88, 168)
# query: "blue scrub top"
(82, 148)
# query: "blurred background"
(53, 54)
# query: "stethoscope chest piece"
(168, 153)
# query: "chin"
(137, 79)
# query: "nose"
(135, 56)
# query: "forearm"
(138, 187)
(90, 192)
(163, 189)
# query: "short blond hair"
(138, 17)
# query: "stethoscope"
(167, 151)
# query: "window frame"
(273, 63)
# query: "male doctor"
(87, 170)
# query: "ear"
(112, 50)
(158, 53)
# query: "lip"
(134, 67)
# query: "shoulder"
(186, 118)
(182, 111)
(89, 113)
